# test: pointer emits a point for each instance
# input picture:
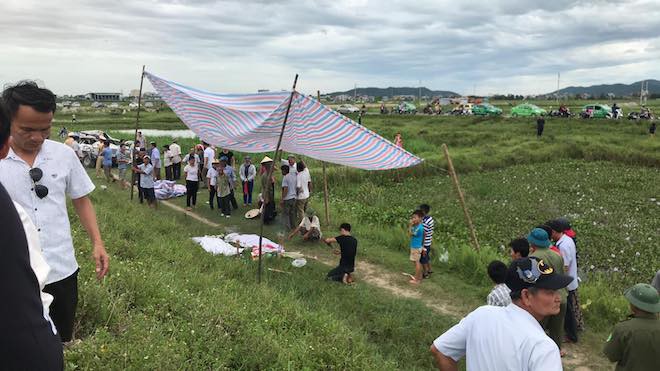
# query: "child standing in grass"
(429, 226)
(191, 172)
(416, 233)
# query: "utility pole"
(558, 76)
(355, 93)
(420, 91)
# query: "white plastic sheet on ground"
(217, 246)
(165, 189)
(252, 241)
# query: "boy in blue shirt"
(416, 233)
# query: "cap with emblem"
(644, 297)
(534, 272)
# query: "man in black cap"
(511, 337)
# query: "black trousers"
(232, 199)
(570, 323)
(168, 173)
(176, 170)
(191, 192)
(224, 205)
(337, 273)
(65, 302)
(212, 196)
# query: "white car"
(347, 108)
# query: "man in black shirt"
(348, 250)
(540, 123)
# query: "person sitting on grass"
(309, 227)
(347, 250)
(519, 248)
(146, 171)
(500, 294)
(416, 233)
(429, 226)
(191, 173)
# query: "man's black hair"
(497, 271)
(205, 144)
(425, 208)
(345, 226)
(28, 93)
(419, 213)
(285, 169)
(300, 166)
(5, 124)
(521, 246)
(546, 228)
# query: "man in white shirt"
(309, 227)
(211, 180)
(288, 202)
(29, 340)
(511, 337)
(247, 172)
(568, 252)
(291, 163)
(155, 160)
(38, 174)
(209, 156)
(175, 150)
(303, 188)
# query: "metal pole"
(461, 199)
(270, 174)
(137, 123)
(325, 181)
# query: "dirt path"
(577, 359)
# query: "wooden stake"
(325, 181)
(270, 174)
(137, 123)
(461, 198)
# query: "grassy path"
(579, 357)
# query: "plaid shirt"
(499, 296)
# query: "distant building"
(103, 96)
(134, 93)
(343, 98)
(151, 95)
(263, 91)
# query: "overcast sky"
(493, 46)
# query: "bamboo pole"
(137, 123)
(270, 174)
(325, 180)
(461, 198)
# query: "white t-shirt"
(209, 155)
(500, 338)
(289, 181)
(147, 176)
(192, 172)
(176, 153)
(37, 262)
(212, 176)
(293, 169)
(303, 180)
(567, 250)
(314, 223)
(63, 175)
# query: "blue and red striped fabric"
(252, 123)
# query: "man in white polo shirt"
(209, 156)
(38, 174)
(511, 337)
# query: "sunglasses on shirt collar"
(36, 174)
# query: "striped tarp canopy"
(253, 122)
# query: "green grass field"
(169, 305)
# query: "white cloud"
(241, 46)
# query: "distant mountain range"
(391, 91)
(620, 90)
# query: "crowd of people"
(531, 311)
(534, 308)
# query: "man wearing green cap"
(635, 343)
(539, 242)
